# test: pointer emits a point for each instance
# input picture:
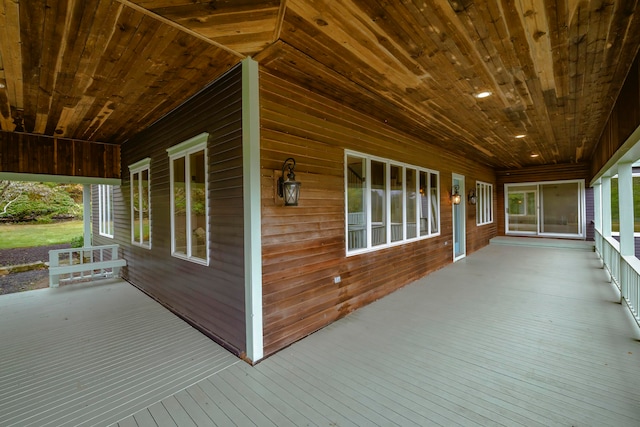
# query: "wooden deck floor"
(511, 335)
(91, 354)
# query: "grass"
(29, 235)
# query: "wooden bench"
(90, 262)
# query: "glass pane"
(144, 206)
(198, 199)
(109, 212)
(179, 207)
(135, 207)
(356, 209)
(412, 203)
(560, 208)
(522, 213)
(424, 203)
(397, 216)
(378, 203)
(435, 205)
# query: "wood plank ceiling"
(102, 70)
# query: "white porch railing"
(623, 270)
(84, 263)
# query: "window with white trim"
(189, 201)
(105, 210)
(484, 203)
(388, 203)
(140, 177)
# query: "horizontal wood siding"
(39, 154)
(304, 246)
(624, 119)
(537, 174)
(210, 297)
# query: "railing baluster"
(624, 272)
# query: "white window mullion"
(187, 190)
(386, 220)
(367, 197)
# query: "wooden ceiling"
(102, 70)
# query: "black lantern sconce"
(472, 197)
(456, 198)
(289, 190)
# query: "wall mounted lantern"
(455, 195)
(289, 189)
(472, 197)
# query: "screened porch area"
(513, 334)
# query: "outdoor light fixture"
(455, 195)
(289, 189)
(472, 197)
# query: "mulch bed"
(28, 280)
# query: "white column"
(86, 216)
(597, 205)
(625, 203)
(606, 205)
(252, 211)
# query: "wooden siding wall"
(210, 297)
(537, 174)
(624, 119)
(38, 154)
(304, 246)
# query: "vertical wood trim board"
(252, 213)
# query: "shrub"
(77, 242)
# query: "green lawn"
(28, 235)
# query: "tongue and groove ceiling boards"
(102, 70)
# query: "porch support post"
(86, 214)
(597, 205)
(625, 203)
(252, 211)
(606, 206)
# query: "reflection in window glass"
(378, 203)
(179, 207)
(388, 203)
(198, 205)
(397, 202)
(424, 203)
(105, 210)
(412, 203)
(484, 203)
(435, 212)
(356, 204)
(190, 228)
(140, 203)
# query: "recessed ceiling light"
(534, 155)
(2, 86)
(481, 95)
(520, 136)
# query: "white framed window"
(484, 203)
(140, 176)
(105, 210)
(388, 203)
(189, 201)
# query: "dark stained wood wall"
(211, 297)
(304, 246)
(624, 119)
(567, 171)
(38, 154)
